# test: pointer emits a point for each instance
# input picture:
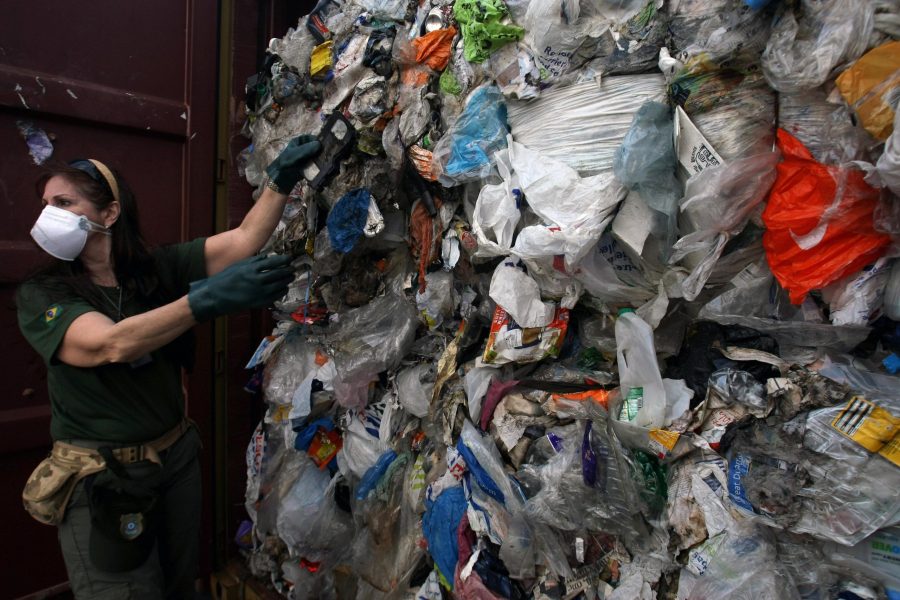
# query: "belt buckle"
(129, 454)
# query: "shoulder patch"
(51, 313)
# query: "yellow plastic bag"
(321, 58)
(867, 85)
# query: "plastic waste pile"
(593, 300)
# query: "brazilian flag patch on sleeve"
(51, 313)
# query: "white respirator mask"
(63, 234)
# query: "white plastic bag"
(888, 165)
(857, 299)
(717, 203)
(414, 388)
(476, 383)
(554, 29)
(497, 212)
(802, 52)
(583, 124)
(361, 448)
(519, 295)
(576, 209)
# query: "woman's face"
(62, 193)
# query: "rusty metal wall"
(133, 84)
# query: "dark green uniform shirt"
(117, 402)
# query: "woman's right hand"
(255, 282)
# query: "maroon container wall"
(133, 84)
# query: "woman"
(111, 319)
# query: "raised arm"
(245, 240)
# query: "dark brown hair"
(132, 261)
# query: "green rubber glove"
(286, 170)
(255, 282)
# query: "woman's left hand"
(286, 170)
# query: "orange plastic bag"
(869, 84)
(434, 48)
(819, 224)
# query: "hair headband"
(108, 176)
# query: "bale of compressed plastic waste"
(592, 300)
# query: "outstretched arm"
(223, 249)
(93, 339)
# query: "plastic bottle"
(639, 377)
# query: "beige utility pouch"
(47, 491)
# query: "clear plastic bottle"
(639, 377)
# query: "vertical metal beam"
(220, 339)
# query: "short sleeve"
(44, 318)
(180, 264)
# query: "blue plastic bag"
(482, 477)
(465, 151)
(439, 525)
(347, 220)
(646, 163)
(374, 474)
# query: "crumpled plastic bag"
(519, 295)
(484, 462)
(555, 29)
(855, 490)
(355, 215)
(839, 484)
(362, 445)
(575, 209)
(645, 162)
(870, 85)
(439, 299)
(497, 211)
(829, 131)
(802, 52)
(371, 99)
(601, 280)
(587, 480)
(857, 299)
(464, 152)
(888, 166)
(386, 9)
(724, 31)
(385, 548)
(483, 30)
(734, 110)
(414, 388)
(755, 300)
(819, 222)
(306, 510)
(635, 31)
(434, 48)
(717, 202)
(646, 159)
(368, 340)
(738, 563)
